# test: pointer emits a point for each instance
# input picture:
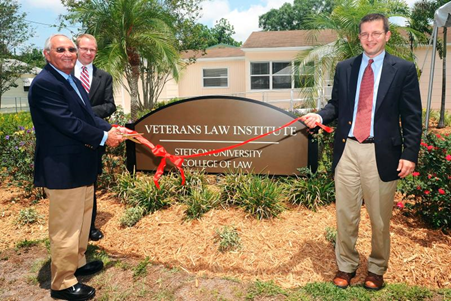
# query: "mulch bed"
(290, 250)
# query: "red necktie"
(84, 77)
(362, 125)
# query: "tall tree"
(13, 32)
(129, 33)
(222, 33)
(344, 21)
(32, 56)
(292, 17)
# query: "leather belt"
(367, 140)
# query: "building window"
(281, 78)
(260, 75)
(279, 75)
(215, 78)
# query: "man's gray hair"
(48, 42)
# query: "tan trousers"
(70, 216)
(356, 176)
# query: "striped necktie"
(84, 77)
(362, 126)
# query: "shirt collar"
(377, 59)
(66, 76)
(78, 65)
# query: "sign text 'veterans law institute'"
(203, 124)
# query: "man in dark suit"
(68, 138)
(99, 85)
(376, 100)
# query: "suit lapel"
(65, 82)
(388, 73)
(353, 76)
(95, 83)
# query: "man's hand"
(311, 119)
(114, 138)
(405, 168)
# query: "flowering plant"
(428, 188)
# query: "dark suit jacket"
(398, 100)
(68, 133)
(101, 93)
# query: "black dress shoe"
(89, 268)
(79, 291)
(95, 234)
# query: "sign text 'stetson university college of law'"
(203, 124)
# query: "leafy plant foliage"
(428, 189)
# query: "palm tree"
(344, 21)
(129, 33)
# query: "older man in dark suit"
(99, 85)
(68, 137)
(376, 100)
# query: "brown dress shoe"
(342, 279)
(373, 282)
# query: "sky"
(42, 15)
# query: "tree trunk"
(441, 122)
(132, 80)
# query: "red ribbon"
(159, 150)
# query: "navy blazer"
(397, 119)
(101, 93)
(68, 133)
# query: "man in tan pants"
(68, 136)
(373, 94)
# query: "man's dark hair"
(374, 17)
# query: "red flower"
(427, 192)
(400, 205)
(448, 158)
(429, 176)
(430, 148)
(441, 191)
(415, 173)
(440, 137)
(418, 187)
(423, 144)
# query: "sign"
(202, 124)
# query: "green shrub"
(228, 239)
(124, 185)
(311, 189)
(428, 189)
(141, 269)
(9, 123)
(28, 216)
(230, 187)
(195, 180)
(25, 244)
(331, 235)
(17, 163)
(141, 191)
(261, 197)
(200, 202)
(160, 104)
(131, 216)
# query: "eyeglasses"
(87, 49)
(374, 35)
(62, 49)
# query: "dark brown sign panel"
(203, 124)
